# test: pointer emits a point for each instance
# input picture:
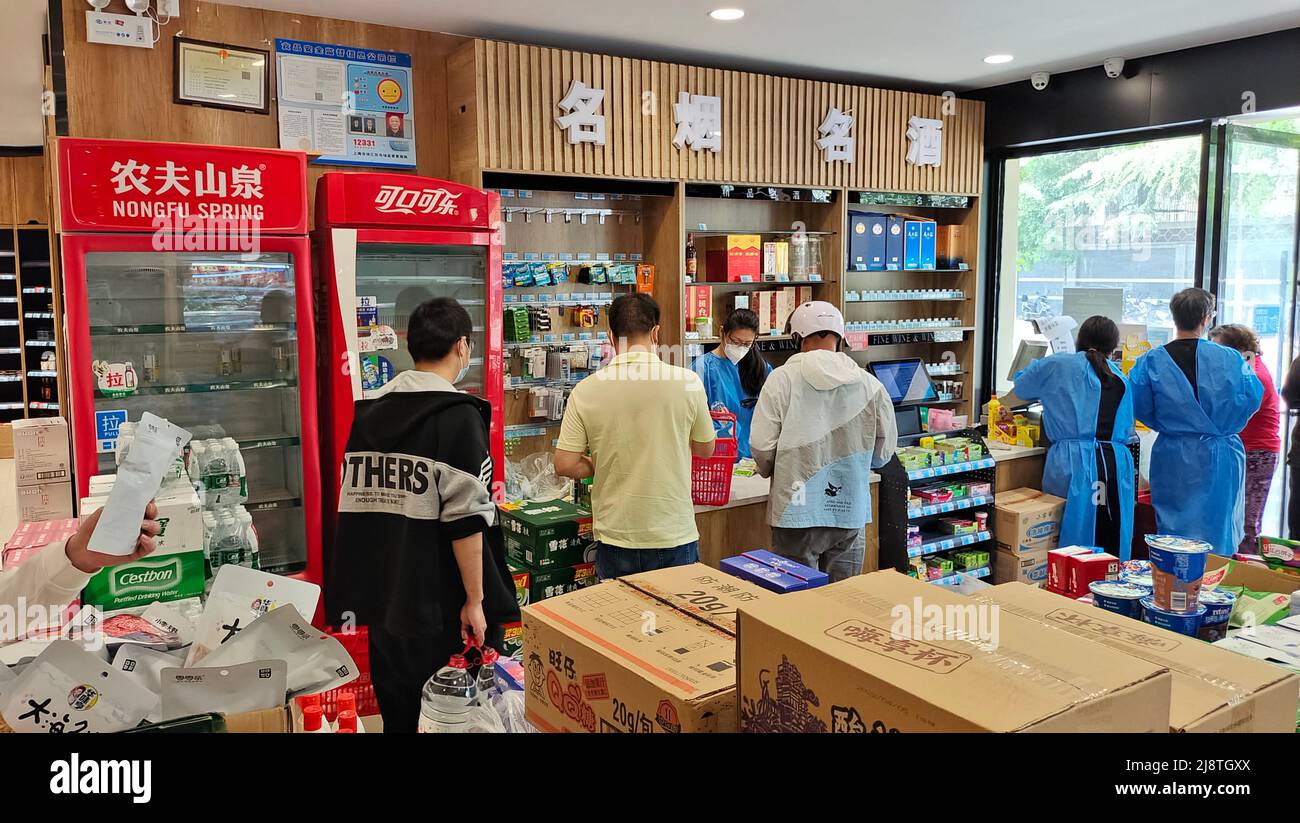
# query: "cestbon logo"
(146, 576)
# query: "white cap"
(816, 316)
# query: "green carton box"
(148, 580)
(562, 551)
(533, 584)
(539, 524)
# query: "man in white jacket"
(55, 575)
(821, 425)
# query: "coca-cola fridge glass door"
(210, 342)
(392, 280)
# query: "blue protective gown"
(722, 385)
(1198, 465)
(1070, 392)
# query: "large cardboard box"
(1027, 520)
(653, 652)
(1029, 567)
(1213, 690)
(557, 552)
(843, 658)
(45, 501)
(41, 453)
(1252, 576)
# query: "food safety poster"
(350, 105)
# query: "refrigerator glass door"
(392, 279)
(209, 341)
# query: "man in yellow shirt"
(634, 426)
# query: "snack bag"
(68, 690)
(240, 596)
(317, 662)
(226, 689)
(1259, 608)
(156, 446)
(145, 665)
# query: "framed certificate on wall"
(220, 76)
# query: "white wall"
(22, 22)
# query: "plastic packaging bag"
(240, 596)
(534, 479)
(145, 666)
(248, 687)
(483, 720)
(7, 677)
(68, 690)
(156, 447)
(317, 662)
(509, 706)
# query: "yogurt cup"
(1218, 609)
(1188, 623)
(1119, 597)
(1177, 566)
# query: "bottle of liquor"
(690, 258)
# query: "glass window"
(1109, 230)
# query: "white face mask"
(735, 353)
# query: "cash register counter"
(741, 523)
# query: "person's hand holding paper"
(156, 446)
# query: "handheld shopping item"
(711, 476)
(316, 661)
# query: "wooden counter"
(1019, 467)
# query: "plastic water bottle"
(486, 682)
(447, 698)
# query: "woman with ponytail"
(1088, 417)
(734, 372)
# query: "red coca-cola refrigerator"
(188, 294)
(385, 243)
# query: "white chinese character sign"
(836, 140)
(698, 118)
(926, 146)
(580, 119)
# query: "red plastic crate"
(711, 476)
(357, 644)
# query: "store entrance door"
(1259, 226)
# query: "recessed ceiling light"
(999, 58)
(727, 14)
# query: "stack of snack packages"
(550, 550)
(215, 469)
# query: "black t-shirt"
(1184, 354)
(1111, 395)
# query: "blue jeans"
(616, 561)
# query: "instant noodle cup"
(1118, 597)
(1177, 566)
(1188, 623)
(1218, 610)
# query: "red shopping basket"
(357, 644)
(711, 476)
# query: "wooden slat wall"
(769, 124)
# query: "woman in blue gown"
(734, 372)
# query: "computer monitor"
(906, 380)
(1026, 353)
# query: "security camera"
(98, 5)
(1039, 80)
(1114, 66)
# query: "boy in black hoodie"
(418, 554)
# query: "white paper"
(295, 128)
(1059, 333)
(157, 444)
(307, 80)
(328, 135)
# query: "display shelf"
(10, 378)
(518, 431)
(39, 315)
(11, 406)
(272, 499)
(911, 329)
(38, 290)
(42, 373)
(908, 271)
(950, 401)
(951, 469)
(7, 277)
(518, 385)
(44, 405)
(11, 350)
(534, 343)
(270, 441)
(762, 338)
(747, 284)
(956, 577)
(8, 322)
(949, 506)
(567, 301)
(859, 302)
(216, 386)
(773, 232)
(42, 344)
(943, 544)
(184, 328)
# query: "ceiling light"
(727, 14)
(999, 58)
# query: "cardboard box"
(158, 578)
(533, 584)
(557, 553)
(1213, 690)
(1088, 568)
(830, 660)
(699, 303)
(948, 246)
(652, 652)
(1058, 567)
(1027, 520)
(785, 306)
(31, 537)
(540, 524)
(733, 258)
(267, 721)
(1256, 578)
(1030, 567)
(894, 242)
(41, 452)
(44, 501)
